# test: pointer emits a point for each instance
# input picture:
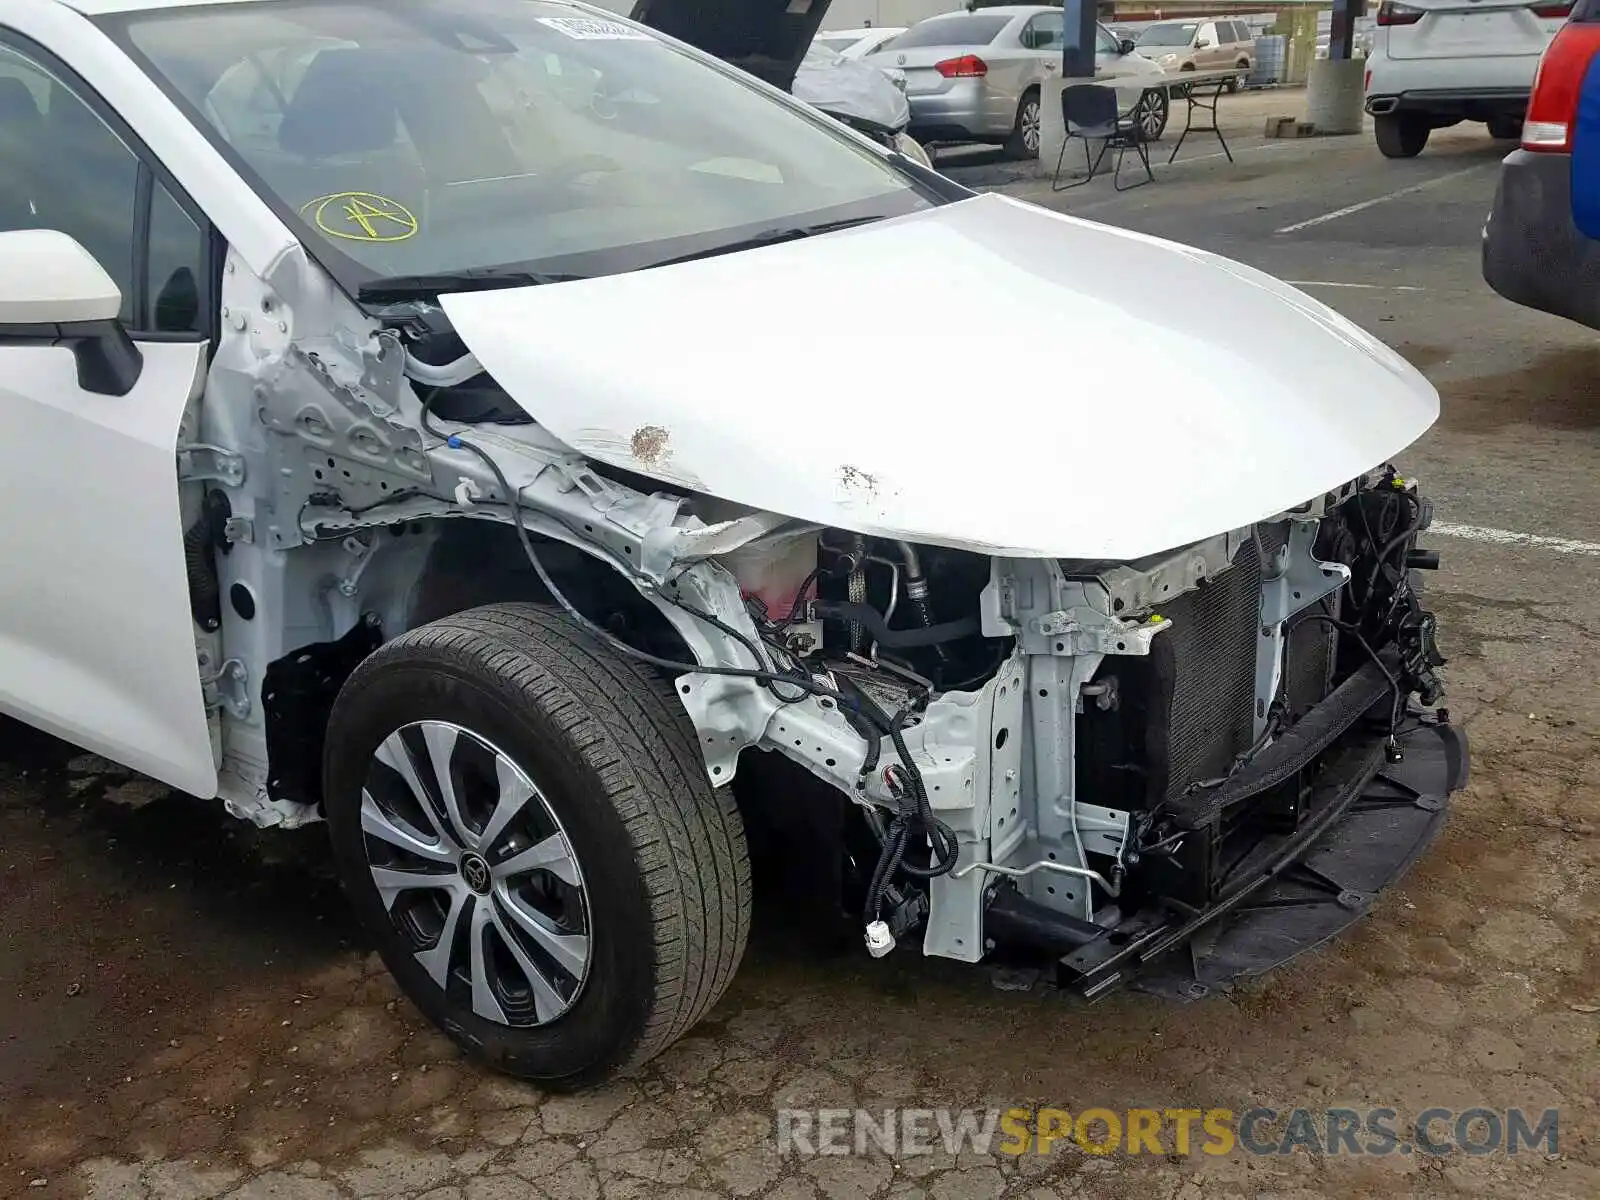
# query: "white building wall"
(851, 14)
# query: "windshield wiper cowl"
(394, 289)
(768, 237)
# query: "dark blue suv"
(1541, 244)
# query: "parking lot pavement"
(186, 1010)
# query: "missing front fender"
(297, 696)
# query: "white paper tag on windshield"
(590, 29)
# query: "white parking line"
(1366, 204)
(1237, 150)
(1505, 537)
(1373, 287)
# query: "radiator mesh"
(1204, 668)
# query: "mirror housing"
(54, 293)
(1202, 43)
(1126, 46)
(48, 278)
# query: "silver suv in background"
(1213, 45)
(978, 76)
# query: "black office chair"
(1089, 111)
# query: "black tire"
(1025, 128)
(1182, 89)
(616, 760)
(1505, 129)
(1235, 82)
(1155, 105)
(1401, 134)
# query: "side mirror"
(1202, 44)
(54, 293)
(1126, 46)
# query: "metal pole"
(1342, 28)
(1078, 25)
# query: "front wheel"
(1024, 140)
(1401, 134)
(522, 820)
(1151, 114)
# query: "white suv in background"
(1440, 62)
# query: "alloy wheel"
(1153, 115)
(1029, 120)
(477, 873)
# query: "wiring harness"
(912, 820)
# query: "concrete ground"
(187, 1011)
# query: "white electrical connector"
(879, 940)
(467, 491)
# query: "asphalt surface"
(187, 1011)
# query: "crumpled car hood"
(984, 375)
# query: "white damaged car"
(415, 427)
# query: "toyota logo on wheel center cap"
(475, 870)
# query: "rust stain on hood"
(649, 444)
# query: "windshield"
(952, 31)
(402, 137)
(1168, 35)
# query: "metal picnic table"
(1201, 89)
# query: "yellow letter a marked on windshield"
(361, 217)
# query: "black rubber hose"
(896, 639)
(917, 596)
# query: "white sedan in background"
(979, 76)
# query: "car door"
(97, 640)
(1240, 47)
(1226, 44)
(1206, 41)
(1042, 37)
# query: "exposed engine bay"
(1027, 754)
(1149, 726)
